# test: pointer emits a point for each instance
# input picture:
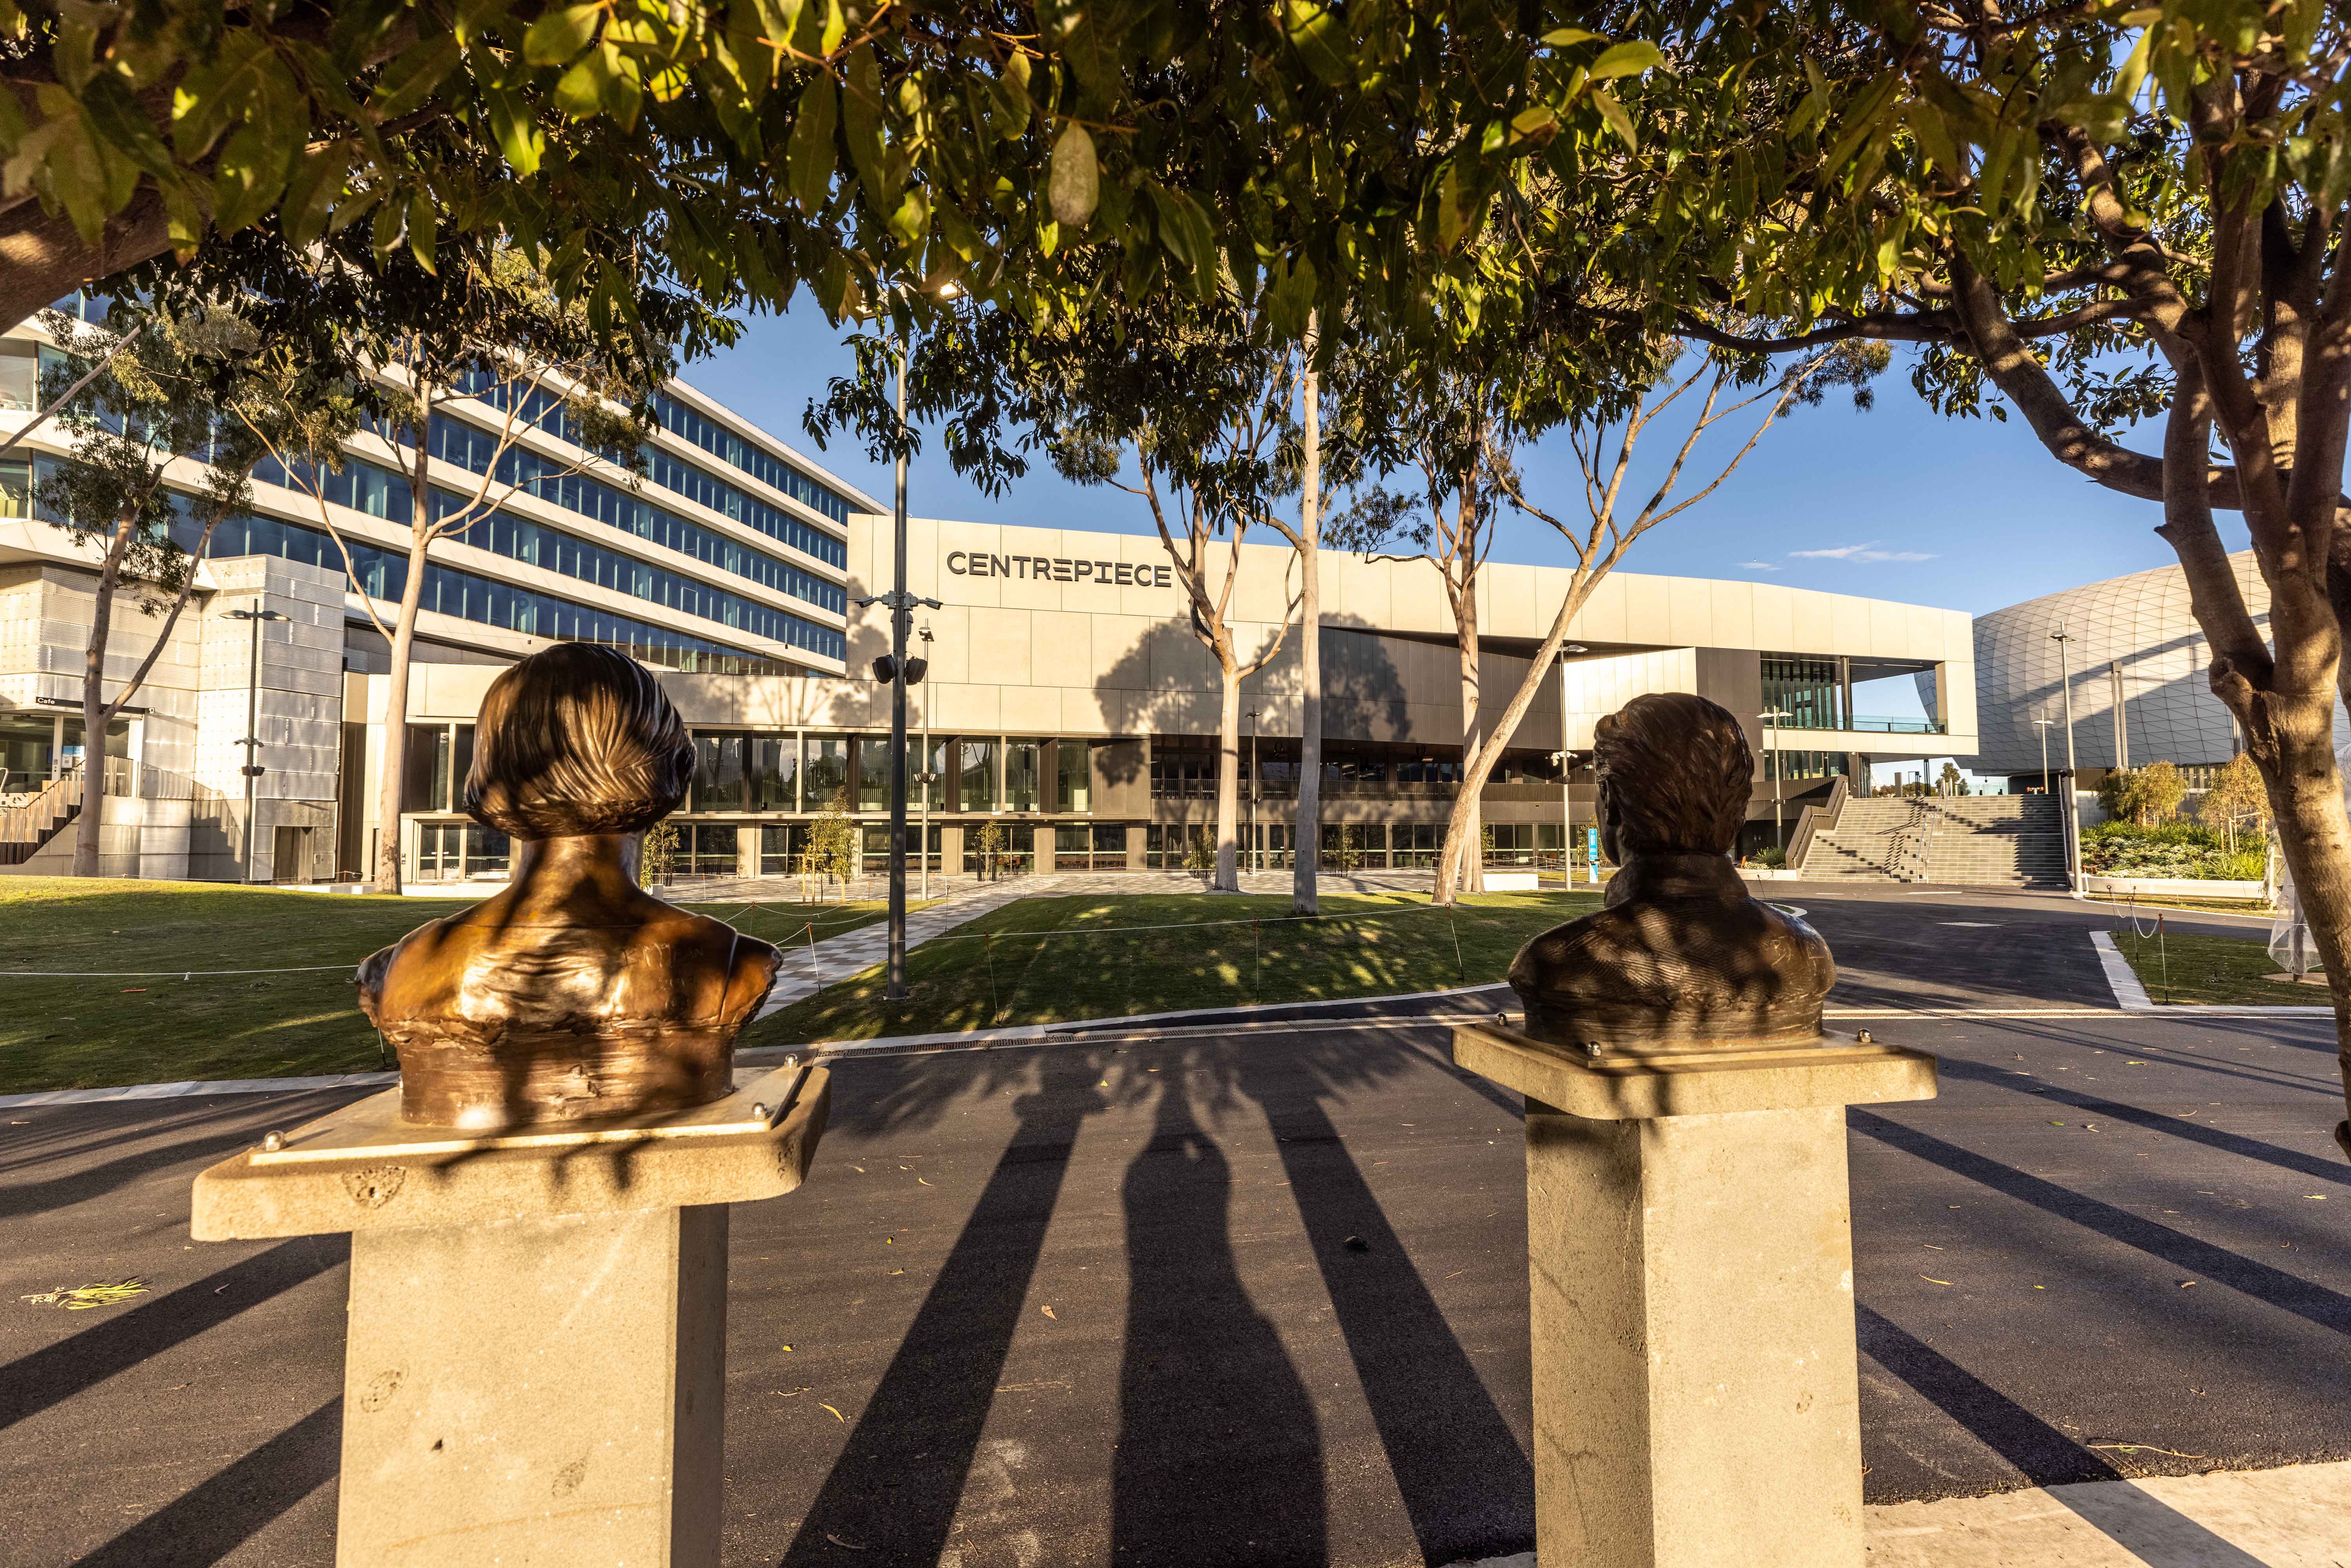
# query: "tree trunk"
(1306, 846)
(403, 641)
(1228, 780)
(93, 704)
(1470, 861)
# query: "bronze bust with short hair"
(573, 995)
(1682, 955)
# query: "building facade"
(1069, 717)
(2136, 667)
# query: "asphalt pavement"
(1207, 1296)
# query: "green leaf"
(579, 91)
(1075, 186)
(1568, 37)
(312, 192)
(558, 35)
(1626, 59)
(423, 228)
(809, 156)
(247, 179)
(409, 80)
(836, 28)
(1320, 39)
(1613, 113)
(860, 123)
(518, 136)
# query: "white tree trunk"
(1306, 849)
(93, 705)
(388, 871)
(1229, 780)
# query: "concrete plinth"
(1689, 1242)
(535, 1358)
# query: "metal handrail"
(1817, 818)
(34, 820)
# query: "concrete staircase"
(25, 827)
(1980, 841)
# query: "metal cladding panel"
(2142, 621)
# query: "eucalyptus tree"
(167, 391)
(2126, 226)
(1450, 430)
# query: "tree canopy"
(1315, 154)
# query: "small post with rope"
(987, 951)
(814, 967)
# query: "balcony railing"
(1880, 726)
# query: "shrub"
(1773, 857)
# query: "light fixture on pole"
(2042, 726)
(252, 741)
(2073, 830)
(1771, 717)
(1564, 758)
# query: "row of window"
(454, 441)
(738, 771)
(546, 409)
(377, 492)
(448, 592)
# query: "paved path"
(1222, 1380)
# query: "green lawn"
(2223, 969)
(1045, 960)
(97, 1031)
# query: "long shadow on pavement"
(205, 1524)
(1209, 1405)
(32, 1384)
(2288, 1292)
(1467, 1485)
(2043, 1452)
(894, 1490)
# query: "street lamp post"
(252, 741)
(2073, 831)
(1771, 717)
(927, 778)
(1566, 800)
(1252, 859)
(2042, 726)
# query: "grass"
(2216, 905)
(101, 1030)
(2227, 971)
(1046, 960)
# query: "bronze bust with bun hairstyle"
(1681, 956)
(573, 995)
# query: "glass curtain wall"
(1805, 689)
(976, 781)
(873, 772)
(775, 773)
(1022, 784)
(718, 778)
(1073, 788)
(824, 771)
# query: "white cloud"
(1860, 552)
(1757, 566)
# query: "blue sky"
(1895, 503)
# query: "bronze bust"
(574, 994)
(1681, 955)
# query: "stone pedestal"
(535, 1370)
(1689, 1244)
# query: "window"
(1073, 788)
(775, 773)
(434, 767)
(781, 844)
(825, 771)
(718, 772)
(1805, 689)
(19, 374)
(873, 772)
(1429, 771)
(1415, 844)
(976, 768)
(710, 849)
(486, 849)
(1804, 764)
(1510, 843)
(440, 851)
(1021, 783)
(934, 793)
